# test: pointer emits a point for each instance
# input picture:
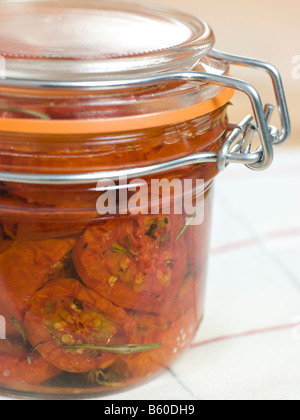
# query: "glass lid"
(79, 40)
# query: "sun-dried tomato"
(24, 220)
(24, 268)
(173, 336)
(15, 370)
(65, 313)
(136, 263)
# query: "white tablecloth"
(249, 344)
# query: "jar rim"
(94, 40)
(33, 67)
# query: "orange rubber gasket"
(114, 125)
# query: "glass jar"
(113, 127)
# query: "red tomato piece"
(15, 370)
(136, 263)
(24, 268)
(174, 337)
(64, 312)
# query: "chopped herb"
(19, 328)
(182, 232)
(188, 223)
(104, 379)
(152, 230)
(78, 304)
(164, 238)
(85, 246)
(115, 349)
(119, 249)
(108, 384)
(6, 194)
(130, 147)
(35, 114)
(129, 246)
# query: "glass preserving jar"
(113, 121)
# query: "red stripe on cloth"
(283, 234)
(245, 334)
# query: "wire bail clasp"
(239, 142)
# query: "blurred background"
(262, 29)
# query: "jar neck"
(80, 154)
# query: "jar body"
(94, 302)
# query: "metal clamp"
(240, 135)
(236, 149)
